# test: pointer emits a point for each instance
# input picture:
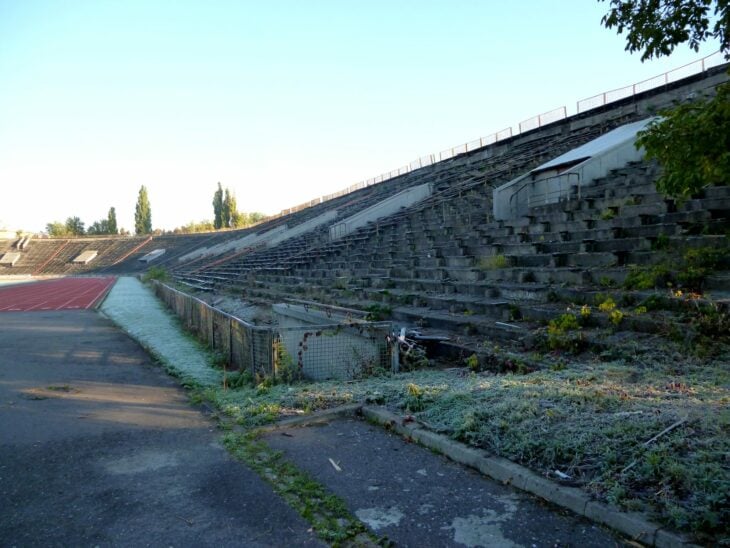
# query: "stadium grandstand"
(491, 240)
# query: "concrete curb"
(636, 526)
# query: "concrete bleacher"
(114, 254)
(445, 262)
(437, 268)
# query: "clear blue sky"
(281, 101)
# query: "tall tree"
(229, 209)
(75, 226)
(656, 27)
(111, 219)
(218, 208)
(143, 213)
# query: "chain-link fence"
(318, 352)
(335, 351)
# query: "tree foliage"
(692, 143)
(99, 228)
(226, 214)
(239, 220)
(142, 213)
(192, 227)
(229, 208)
(656, 27)
(75, 226)
(57, 228)
(111, 219)
(218, 208)
(105, 226)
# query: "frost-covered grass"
(133, 307)
(593, 421)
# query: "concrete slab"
(99, 447)
(418, 498)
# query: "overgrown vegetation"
(593, 421)
(563, 333)
(327, 513)
(158, 273)
(688, 271)
(377, 313)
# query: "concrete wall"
(389, 206)
(304, 227)
(234, 245)
(10, 258)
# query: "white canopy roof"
(597, 146)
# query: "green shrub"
(472, 362)
(561, 336)
(377, 313)
(414, 398)
(286, 371)
(648, 278)
(607, 305)
(156, 273)
(616, 316)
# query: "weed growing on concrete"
(493, 262)
(648, 278)
(616, 317)
(561, 333)
(608, 213)
(378, 313)
(472, 362)
(605, 281)
(328, 514)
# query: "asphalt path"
(99, 447)
(417, 498)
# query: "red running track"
(60, 294)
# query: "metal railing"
(674, 75)
(543, 119)
(560, 113)
(565, 183)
